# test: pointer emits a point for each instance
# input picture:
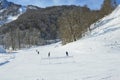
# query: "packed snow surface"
(95, 57)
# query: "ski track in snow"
(6, 58)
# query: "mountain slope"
(37, 26)
(108, 28)
(9, 11)
(95, 57)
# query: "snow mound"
(2, 50)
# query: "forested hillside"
(39, 26)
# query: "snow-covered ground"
(95, 57)
(2, 50)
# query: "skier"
(37, 51)
(49, 54)
(67, 53)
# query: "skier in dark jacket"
(37, 51)
(67, 53)
(49, 54)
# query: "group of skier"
(49, 53)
